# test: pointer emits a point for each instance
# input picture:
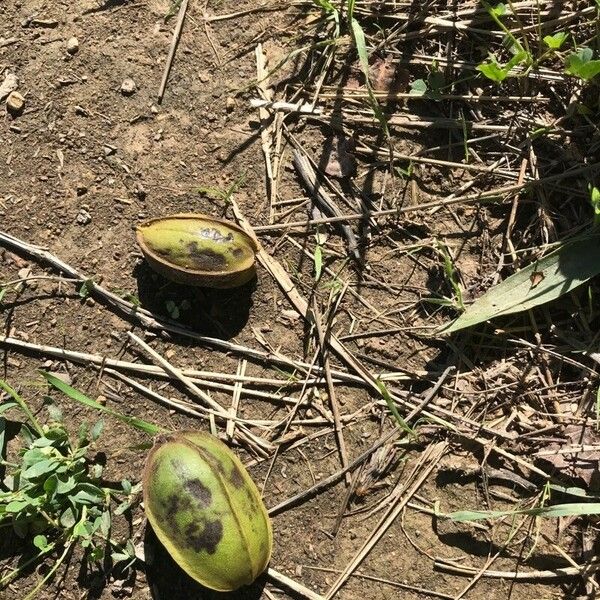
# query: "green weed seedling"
(223, 195)
(174, 309)
(582, 64)
(595, 202)
(53, 496)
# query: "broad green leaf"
(570, 265)
(68, 518)
(40, 542)
(65, 485)
(16, 506)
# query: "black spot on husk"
(199, 491)
(204, 536)
(236, 477)
(203, 259)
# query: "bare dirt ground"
(85, 162)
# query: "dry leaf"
(337, 156)
(577, 464)
(387, 76)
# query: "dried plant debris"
(577, 457)
(338, 156)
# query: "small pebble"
(15, 103)
(84, 217)
(230, 104)
(73, 45)
(128, 87)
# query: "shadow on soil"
(216, 313)
(168, 582)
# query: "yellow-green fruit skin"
(198, 250)
(206, 510)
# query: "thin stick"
(403, 586)
(198, 377)
(339, 434)
(235, 402)
(283, 580)
(172, 49)
(558, 573)
(335, 477)
(432, 455)
(489, 195)
(256, 441)
(149, 320)
(315, 185)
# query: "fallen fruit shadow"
(167, 581)
(212, 312)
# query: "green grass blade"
(404, 426)
(559, 510)
(363, 58)
(76, 395)
(22, 405)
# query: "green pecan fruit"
(196, 249)
(206, 510)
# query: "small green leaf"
(595, 202)
(96, 430)
(554, 42)
(43, 467)
(105, 523)
(580, 64)
(126, 485)
(493, 70)
(172, 309)
(54, 413)
(40, 542)
(418, 87)
(318, 261)
(81, 529)
(51, 485)
(392, 406)
(86, 287)
(96, 554)
(68, 518)
(499, 10)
